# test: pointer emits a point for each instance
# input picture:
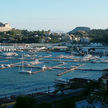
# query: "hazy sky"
(63, 15)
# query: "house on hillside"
(5, 27)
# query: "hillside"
(95, 35)
(79, 29)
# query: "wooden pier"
(91, 69)
(73, 68)
(48, 68)
(11, 65)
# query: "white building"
(66, 37)
(5, 27)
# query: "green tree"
(25, 102)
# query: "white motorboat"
(60, 56)
(7, 65)
(25, 71)
(10, 54)
(86, 57)
(27, 55)
(2, 66)
(44, 68)
(35, 62)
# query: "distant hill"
(79, 29)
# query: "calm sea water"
(14, 83)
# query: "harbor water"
(14, 83)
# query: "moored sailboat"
(22, 70)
